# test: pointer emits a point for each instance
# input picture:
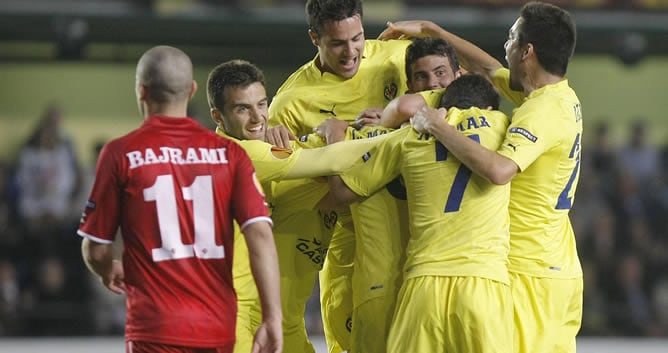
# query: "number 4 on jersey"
(200, 192)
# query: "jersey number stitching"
(462, 177)
(200, 192)
(564, 202)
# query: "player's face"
(514, 55)
(245, 111)
(341, 46)
(431, 72)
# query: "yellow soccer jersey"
(544, 140)
(309, 96)
(433, 97)
(455, 217)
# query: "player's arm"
(400, 109)
(339, 195)
(331, 159)
(489, 164)
(264, 265)
(470, 56)
(98, 257)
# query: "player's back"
(455, 217)
(177, 181)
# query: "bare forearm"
(97, 257)
(470, 56)
(264, 265)
(482, 161)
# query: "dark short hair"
(233, 73)
(320, 11)
(551, 30)
(425, 46)
(470, 90)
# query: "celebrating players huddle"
(449, 234)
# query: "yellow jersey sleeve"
(433, 97)
(309, 96)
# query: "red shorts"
(151, 347)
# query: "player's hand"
(115, 279)
(407, 29)
(279, 136)
(369, 117)
(332, 129)
(427, 118)
(268, 338)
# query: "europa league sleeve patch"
(518, 130)
(280, 153)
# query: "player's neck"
(176, 110)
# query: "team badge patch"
(390, 91)
(280, 153)
(258, 186)
(518, 130)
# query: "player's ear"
(216, 117)
(529, 50)
(193, 89)
(314, 37)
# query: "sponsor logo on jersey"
(349, 324)
(303, 138)
(329, 218)
(366, 156)
(329, 111)
(313, 249)
(280, 153)
(91, 204)
(518, 130)
(390, 91)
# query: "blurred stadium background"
(67, 81)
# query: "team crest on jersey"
(390, 91)
(304, 138)
(518, 130)
(280, 153)
(258, 186)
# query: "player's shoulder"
(374, 46)
(297, 79)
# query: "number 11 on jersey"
(200, 192)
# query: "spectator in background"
(638, 159)
(47, 178)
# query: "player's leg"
(452, 314)
(249, 312)
(480, 316)
(548, 313)
(371, 324)
(295, 292)
(418, 321)
(336, 289)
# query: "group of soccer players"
(448, 235)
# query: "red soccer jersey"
(174, 188)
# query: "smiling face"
(340, 46)
(244, 114)
(514, 55)
(431, 72)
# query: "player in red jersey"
(174, 188)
